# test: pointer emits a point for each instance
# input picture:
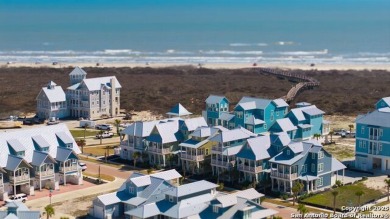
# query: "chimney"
(113, 94)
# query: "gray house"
(17, 210)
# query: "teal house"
(373, 139)
(215, 107)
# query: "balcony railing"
(216, 149)
(250, 168)
(46, 173)
(159, 150)
(222, 163)
(69, 169)
(373, 151)
(192, 157)
(374, 137)
(284, 175)
(21, 178)
(126, 143)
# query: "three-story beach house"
(37, 158)
(306, 162)
(373, 139)
(51, 102)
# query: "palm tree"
(296, 189)
(387, 181)
(101, 136)
(117, 123)
(85, 129)
(136, 156)
(331, 133)
(350, 129)
(317, 136)
(302, 210)
(82, 143)
(359, 194)
(49, 211)
(335, 193)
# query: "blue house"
(306, 162)
(382, 103)
(258, 115)
(284, 125)
(215, 106)
(373, 140)
(309, 121)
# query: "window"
(277, 113)
(362, 129)
(288, 152)
(131, 190)
(265, 126)
(215, 209)
(360, 144)
(170, 198)
(313, 167)
(380, 146)
(320, 155)
(320, 181)
(364, 144)
(313, 156)
(381, 132)
(304, 168)
(320, 167)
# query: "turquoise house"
(215, 107)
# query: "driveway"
(122, 172)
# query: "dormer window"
(170, 198)
(215, 209)
(288, 152)
(131, 190)
(20, 153)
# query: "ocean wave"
(284, 43)
(247, 44)
(230, 52)
(301, 53)
(374, 54)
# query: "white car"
(19, 198)
(83, 166)
(104, 127)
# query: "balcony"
(126, 144)
(374, 137)
(18, 179)
(72, 168)
(222, 163)
(47, 173)
(374, 151)
(159, 150)
(250, 168)
(217, 149)
(192, 157)
(284, 175)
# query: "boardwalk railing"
(305, 82)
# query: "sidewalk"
(40, 203)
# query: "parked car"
(105, 135)
(53, 121)
(104, 127)
(18, 197)
(83, 166)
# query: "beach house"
(51, 102)
(38, 158)
(159, 196)
(216, 106)
(18, 210)
(306, 162)
(92, 98)
(373, 139)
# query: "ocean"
(199, 31)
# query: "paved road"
(284, 212)
(122, 173)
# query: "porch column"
(290, 186)
(278, 185)
(40, 178)
(383, 166)
(163, 160)
(284, 186)
(64, 174)
(272, 183)
(343, 176)
(14, 184)
(307, 186)
(290, 173)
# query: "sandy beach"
(291, 66)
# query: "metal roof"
(232, 135)
(94, 84)
(305, 126)
(203, 132)
(168, 132)
(140, 129)
(135, 201)
(248, 103)
(167, 175)
(226, 116)
(232, 150)
(194, 123)
(376, 118)
(141, 181)
(254, 121)
(308, 178)
(144, 211)
(40, 141)
(337, 165)
(26, 136)
(280, 103)
(63, 153)
(191, 188)
(296, 147)
(193, 143)
(64, 137)
(312, 110)
(189, 207)
(16, 145)
(54, 94)
(179, 110)
(112, 198)
(285, 125)
(40, 157)
(78, 71)
(13, 163)
(256, 148)
(297, 112)
(231, 199)
(213, 99)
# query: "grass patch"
(102, 176)
(100, 162)
(383, 203)
(290, 205)
(346, 196)
(97, 151)
(339, 151)
(79, 133)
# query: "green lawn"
(339, 151)
(346, 196)
(98, 151)
(79, 133)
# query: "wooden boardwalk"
(304, 82)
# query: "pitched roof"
(114, 197)
(188, 207)
(248, 103)
(16, 145)
(203, 132)
(232, 135)
(78, 71)
(226, 116)
(194, 123)
(231, 199)
(386, 100)
(337, 165)
(40, 157)
(296, 147)
(312, 110)
(179, 110)
(141, 181)
(254, 121)
(140, 129)
(285, 125)
(213, 99)
(13, 162)
(302, 104)
(94, 84)
(280, 138)
(379, 117)
(168, 132)
(191, 188)
(40, 141)
(27, 137)
(167, 175)
(64, 153)
(280, 103)
(144, 211)
(64, 137)
(256, 148)
(55, 94)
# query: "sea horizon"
(301, 32)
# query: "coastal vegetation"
(157, 89)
